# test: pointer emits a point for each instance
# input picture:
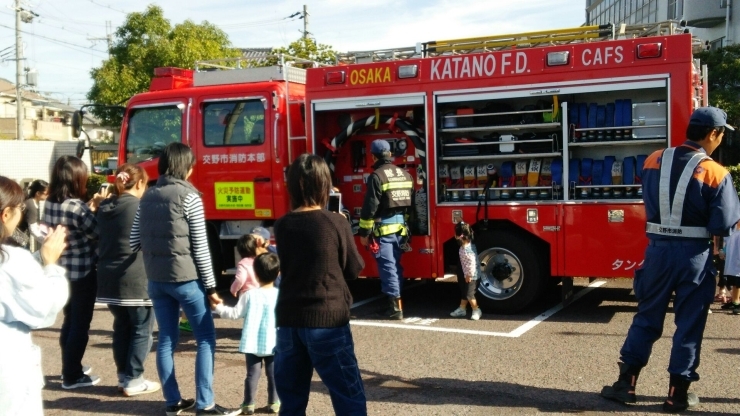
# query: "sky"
(60, 44)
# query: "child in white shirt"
(467, 278)
(257, 307)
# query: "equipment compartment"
(649, 114)
(514, 149)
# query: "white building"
(715, 21)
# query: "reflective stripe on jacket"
(389, 193)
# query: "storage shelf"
(627, 142)
(619, 128)
(509, 127)
(607, 186)
(506, 201)
(498, 143)
(505, 188)
(612, 199)
(501, 156)
(506, 113)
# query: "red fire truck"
(536, 139)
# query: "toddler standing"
(248, 247)
(257, 307)
(467, 278)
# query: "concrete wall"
(34, 159)
(52, 130)
(7, 128)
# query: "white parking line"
(521, 330)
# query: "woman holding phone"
(65, 206)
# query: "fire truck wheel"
(513, 272)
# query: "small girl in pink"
(245, 278)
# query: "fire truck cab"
(535, 139)
(244, 127)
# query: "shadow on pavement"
(124, 406)
(443, 391)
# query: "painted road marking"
(521, 330)
(420, 321)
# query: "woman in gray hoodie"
(122, 282)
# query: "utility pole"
(305, 22)
(18, 73)
(25, 16)
(727, 23)
(108, 36)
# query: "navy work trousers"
(390, 270)
(679, 268)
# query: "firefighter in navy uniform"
(688, 199)
(384, 213)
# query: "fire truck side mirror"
(76, 124)
(80, 150)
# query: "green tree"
(146, 41)
(724, 92)
(305, 48)
(724, 80)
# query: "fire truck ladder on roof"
(520, 40)
(528, 39)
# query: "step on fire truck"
(536, 139)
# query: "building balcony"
(705, 13)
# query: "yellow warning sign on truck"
(234, 195)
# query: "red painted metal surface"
(581, 239)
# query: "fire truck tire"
(514, 272)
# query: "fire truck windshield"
(239, 122)
(150, 130)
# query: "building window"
(675, 9)
(717, 43)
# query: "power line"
(67, 19)
(65, 28)
(61, 42)
(256, 24)
(107, 7)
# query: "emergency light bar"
(649, 50)
(335, 77)
(408, 71)
(558, 58)
(171, 71)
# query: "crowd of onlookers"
(144, 252)
(727, 260)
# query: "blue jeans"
(687, 271)
(331, 352)
(167, 299)
(390, 270)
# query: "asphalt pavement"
(548, 359)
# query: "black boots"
(679, 398)
(395, 310)
(623, 390)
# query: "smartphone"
(335, 201)
(104, 188)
